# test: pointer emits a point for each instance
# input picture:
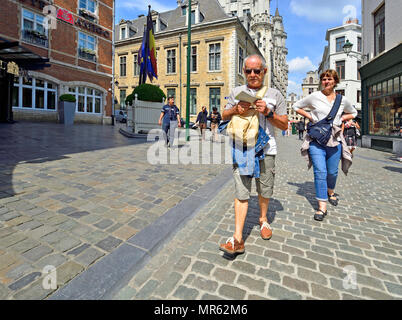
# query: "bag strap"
(261, 93)
(335, 108)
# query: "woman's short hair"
(330, 73)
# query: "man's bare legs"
(264, 203)
(240, 208)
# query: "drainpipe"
(181, 102)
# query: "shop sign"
(91, 27)
(65, 16)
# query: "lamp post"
(188, 72)
(347, 48)
(113, 48)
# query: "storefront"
(382, 102)
(16, 60)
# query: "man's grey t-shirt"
(274, 100)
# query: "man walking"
(301, 128)
(202, 121)
(215, 118)
(271, 113)
(170, 120)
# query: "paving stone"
(202, 267)
(331, 270)
(109, 243)
(273, 254)
(78, 214)
(38, 252)
(205, 284)
(68, 271)
(34, 292)
(344, 284)
(30, 225)
(54, 260)
(394, 289)
(320, 258)
(183, 292)
(295, 284)
(213, 258)
(277, 266)
(279, 292)
(19, 284)
(41, 231)
(251, 283)
(312, 276)
(224, 275)
(105, 223)
(79, 249)
(66, 244)
(54, 237)
(324, 293)
(304, 262)
(351, 257)
(375, 294)
(182, 264)
(244, 267)
(12, 239)
(232, 292)
(147, 289)
(89, 256)
(169, 285)
(293, 251)
(388, 267)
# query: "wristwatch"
(270, 115)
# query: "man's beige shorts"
(264, 184)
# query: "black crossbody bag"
(322, 130)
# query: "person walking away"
(271, 113)
(215, 118)
(350, 130)
(202, 121)
(169, 120)
(325, 158)
(301, 128)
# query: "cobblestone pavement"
(69, 196)
(355, 253)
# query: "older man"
(272, 113)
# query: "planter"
(66, 112)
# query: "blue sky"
(305, 22)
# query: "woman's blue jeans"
(325, 164)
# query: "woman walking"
(325, 158)
(350, 130)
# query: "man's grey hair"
(264, 65)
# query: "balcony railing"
(35, 37)
(87, 54)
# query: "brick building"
(77, 48)
(219, 45)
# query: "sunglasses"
(256, 71)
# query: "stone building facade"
(78, 48)
(310, 83)
(268, 34)
(219, 44)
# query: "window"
(86, 46)
(311, 80)
(359, 64)
(359, 44)
(339, 44)
(214, 98)
(123, 69)
(123, 33)
(379, 31)
(215, 57)
(34, 94)
(193, 101)
(171, 92)
(88, 5)
(88, 100)
(193, 59)
(340, 69)
(136, 71)
(341, 91)
(359, 96)
(122, 99)
(233, 13)
(33, 29)
(183, 11)
(171, 61)
(241, 59)
(310, 90)
(192, 17)
(246, 12)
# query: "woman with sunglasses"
(325, 159)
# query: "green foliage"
(146, 92)
(67, 97)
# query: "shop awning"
(12, 51)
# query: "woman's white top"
(320, 107)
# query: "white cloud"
(326, 11)
(294, 87)
(301, 65)
(142, 5)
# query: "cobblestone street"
(75, 198)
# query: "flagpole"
(188, 72)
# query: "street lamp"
(347, 48)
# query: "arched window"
(311, 80)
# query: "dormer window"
(183, 11)
(123, 33)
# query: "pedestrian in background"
(271, 113)
(215, 118)
(170, 120)
(325, 159)
(350, 130)
(202, 121)
(301, 127)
